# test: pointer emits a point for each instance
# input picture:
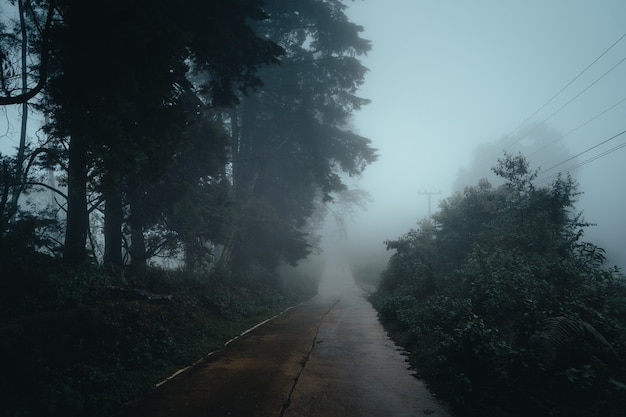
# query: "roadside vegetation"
(87, 346)
(504, 308)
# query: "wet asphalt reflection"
(354, 369)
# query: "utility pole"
(429, 194)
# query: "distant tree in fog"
(542, 146)
(290, 142)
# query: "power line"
(557, 94)
(580, 164)
(577, 95)
(585, 162)
(568, 103)
(583, 152)
(568, 84)
(603, 154)
(579, 126)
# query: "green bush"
(505, 311)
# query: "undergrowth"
(84, 343)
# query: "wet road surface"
(326, 357)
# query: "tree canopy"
(237, 111)
(291, 143)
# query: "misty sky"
(447, 76)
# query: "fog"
(453, 84)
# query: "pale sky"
(446, 76)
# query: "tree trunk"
(229, 245)
(246, 169)
(191, 256)
(4, 197)
(113, 218)
(77, 216)
(19, 159)
(138, 243)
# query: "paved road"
(326, 357)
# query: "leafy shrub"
(503, 308)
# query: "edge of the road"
(204, 358)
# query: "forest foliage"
(208, 135)
(505, 309)
(185, 152)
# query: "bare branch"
(43, 67)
